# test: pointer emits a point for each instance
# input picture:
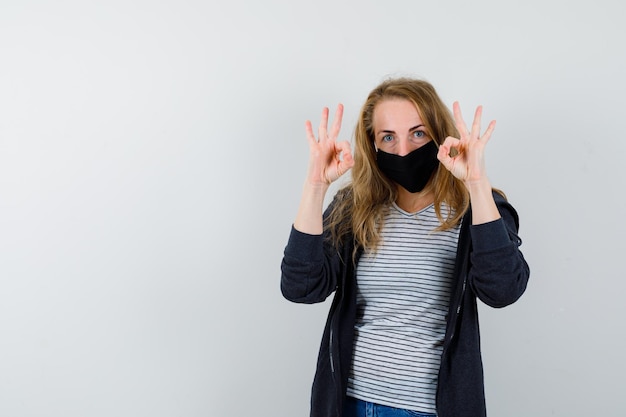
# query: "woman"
(407, 247)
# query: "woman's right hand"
(328, 159)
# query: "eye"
(419, 134)
(387, 138)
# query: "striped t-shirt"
(402, 302)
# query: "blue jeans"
(357, 408)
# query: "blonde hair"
(361, 205)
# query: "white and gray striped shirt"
(402, 302)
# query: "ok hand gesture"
(328, 158)
(467, 162)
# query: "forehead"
(395, 113)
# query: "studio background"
(152, 155)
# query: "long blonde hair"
(361, 205)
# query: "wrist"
(480, 186)
(316, 188)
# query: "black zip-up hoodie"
(489, 266)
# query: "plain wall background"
(152, 155)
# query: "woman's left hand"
(467, 162)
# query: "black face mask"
(411, 171)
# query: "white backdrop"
(151, 160)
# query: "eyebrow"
(391, 131)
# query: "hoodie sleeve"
(498, 273)
(310, 268)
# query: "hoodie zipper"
(458, 309)
(330, 351)
(333, 374)
(464, 270)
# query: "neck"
(414, 202)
